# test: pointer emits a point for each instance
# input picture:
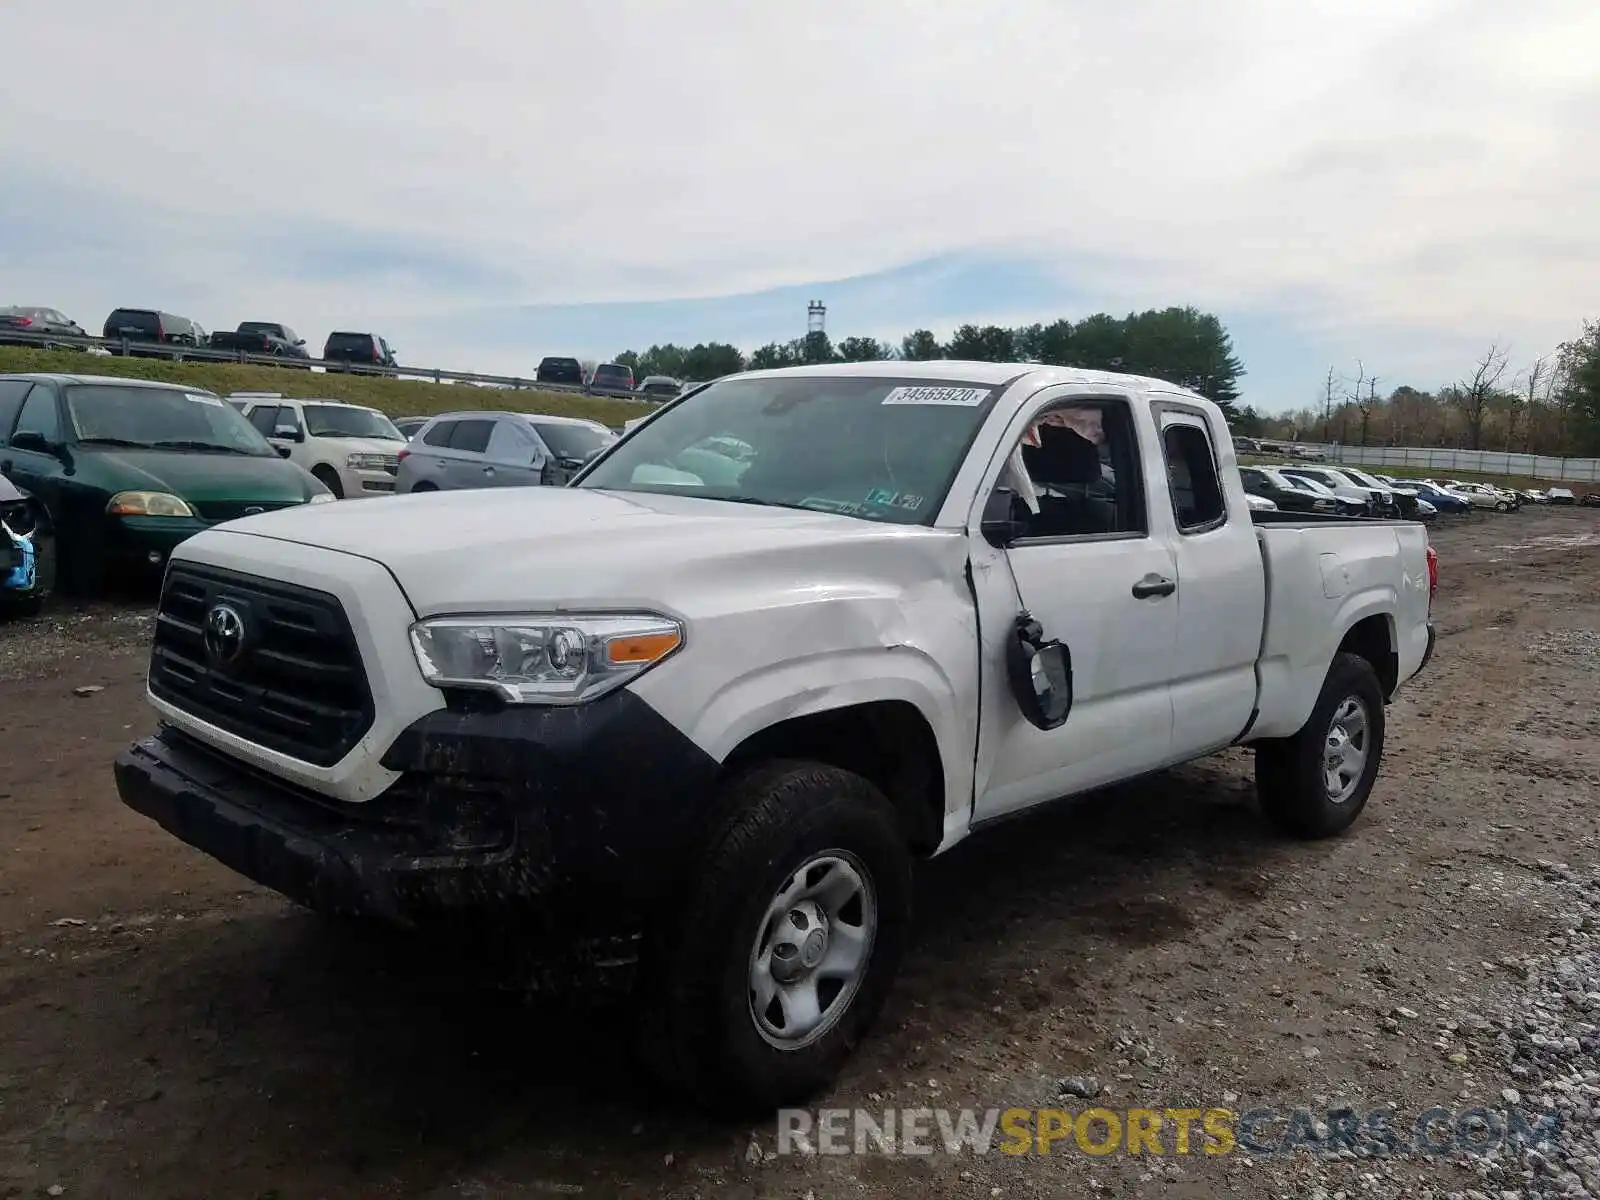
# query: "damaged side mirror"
(1000, 524)
(1040, 673)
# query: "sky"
(488, 181)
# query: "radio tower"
(816, 317)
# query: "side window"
(1197, 499)
(1254, 481)
(12, 393)
(39, 416)
(1079, 473)
(509, 444)
(265, 418)
(471, 437)
(439, 435)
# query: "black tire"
(1290, 777)
(425, 486)
(699, 1031)
(329, 478)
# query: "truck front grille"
(274, 663)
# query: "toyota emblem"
(224, 634)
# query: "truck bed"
(1326, 574)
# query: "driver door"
(1094, 567)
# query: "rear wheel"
(1315, 783)
(787, 944)
(329, 478)
(425, 486)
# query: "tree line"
(1181, 345)
(1552, 406)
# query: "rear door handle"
(1153, 586)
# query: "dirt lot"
(167, 1030)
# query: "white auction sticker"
(937, 395)
(199, 399)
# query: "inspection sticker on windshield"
(199, 399)
(937, 395)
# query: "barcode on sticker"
(936, 395)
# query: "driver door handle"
(1152, 586)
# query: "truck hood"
(505, 549)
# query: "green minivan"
(128, 468)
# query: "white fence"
(1446, 461)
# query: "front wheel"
(1501, 506)
(787, 944)
(329, 478)
(1315, 783)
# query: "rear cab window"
(1193, 480)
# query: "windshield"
(881, 449)
(346, 420)
(1363, 478)
(572, 441)
(161, 418)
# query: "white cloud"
(1359, 164)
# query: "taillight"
(22, 322)
(1433, 574)
(402, 455)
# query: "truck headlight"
(543, 658)
(148, 504)
(369, 462)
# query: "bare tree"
(1473, 394)
(1538, 375)
(1365, 402)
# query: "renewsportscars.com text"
(1437, 1131)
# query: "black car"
(611, 379)
(136, 327)
(410, 425)
(34, 326)
(1260, 481)
(367, 349)
(262, 337)
(566, 371)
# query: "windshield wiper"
(191, 444)
(112, 441)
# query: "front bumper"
(365, 481)
(581, 815)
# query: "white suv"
(353, 450)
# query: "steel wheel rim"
(1345, 749)
(812, 949)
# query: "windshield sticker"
(884, 498)
(845, 508)
(199, 399)
(967, 397)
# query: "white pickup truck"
(698, 714)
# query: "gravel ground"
(168, 1030)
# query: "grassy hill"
(397, 397)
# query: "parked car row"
(1352, 491)
(145, 327)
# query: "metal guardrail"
(1444, 460)
(177, 352)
